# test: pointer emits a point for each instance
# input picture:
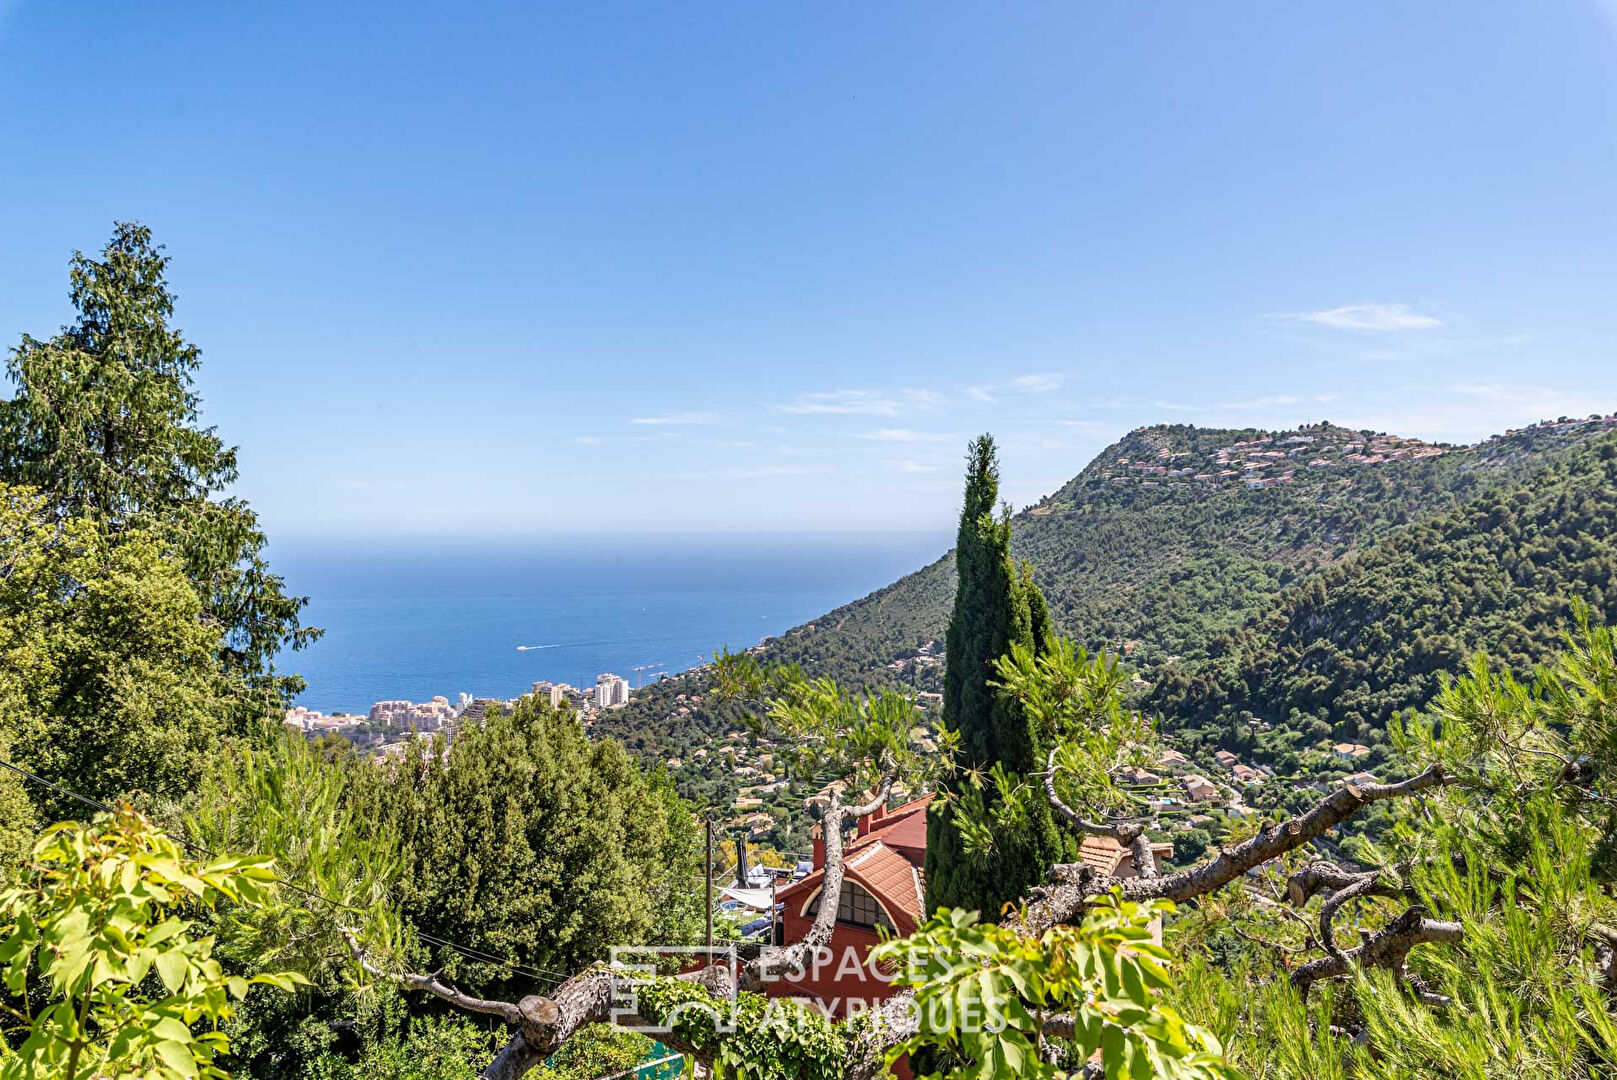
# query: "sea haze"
(418, 618)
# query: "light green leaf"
(171, 968)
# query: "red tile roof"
(1102, 854)
(903, 827)
(887, 861)
(1108, 858)
(891, 878)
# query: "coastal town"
(389, 726)
(1191, 801)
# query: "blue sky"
(523, 268)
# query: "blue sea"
(415, 619)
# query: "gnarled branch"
(1123, 832)
(1387, 948)
(819, 932)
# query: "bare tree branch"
(1124, 833)
(1071, 888)
(505, 1010)
(1309, 941)
(1387, 948)
(825, 920)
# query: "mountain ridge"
(1212, 539)
(1167, 570)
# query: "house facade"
(882, 889)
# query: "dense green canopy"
(104, 424)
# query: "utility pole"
(710, 890)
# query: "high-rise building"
(554, 693)
(477, 712)
(391, 713)
(611, 691)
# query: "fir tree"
(105, 423)
(996, 605)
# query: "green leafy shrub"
(107, 977)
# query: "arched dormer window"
(857, 907)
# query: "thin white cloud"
(904, 435)
(603, 440)
(1543, 402)
(859, 403)
(677, 419)
(1044, 383)
(1466, 412)
(1371, 317)
(1037, 384)
(1269, 401)
(1501, 392)
(374, 485)
(753, 472)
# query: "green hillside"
(1176, 535)
(1345, 649)
(1246, 574)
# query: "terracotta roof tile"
(890, 877)
(1105, 855)
(884, 872)
(1102, 854)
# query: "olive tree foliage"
(104, 974)
(105, 424)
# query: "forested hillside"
(1175, 534)
(1168, 543)
(1350, 646)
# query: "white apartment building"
(611, 691)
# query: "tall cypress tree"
(996, 605)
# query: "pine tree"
(996, 605)
(105, 423)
